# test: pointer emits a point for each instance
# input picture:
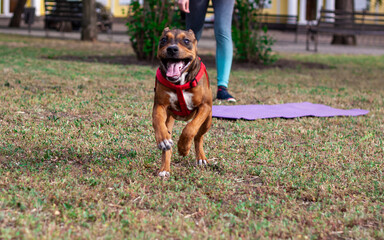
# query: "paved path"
(328, 49)
(114, 37)
(284, 41)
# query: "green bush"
(251, 42)
(146, 23)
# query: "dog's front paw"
(165, 145)
(202, 162)
(164, 174)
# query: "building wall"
(42, 8)
(283, 7)
(120, 7)
(119, 10)
(375, 8)
(274, 7)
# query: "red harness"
(179, 88)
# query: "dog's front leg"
(163, 124)
(162, 135)
(191, 129)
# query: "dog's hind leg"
(169, 123)
(192, 128)
(165, 168)
(200, 155)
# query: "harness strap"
(179, 88)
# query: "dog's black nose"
(172, 50)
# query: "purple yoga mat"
(288, 110)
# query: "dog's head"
(177, 52)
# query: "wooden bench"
(345, 23)
(66, 15)
(63, 15)
(280, 22)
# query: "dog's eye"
(186, 41)
(163, 40)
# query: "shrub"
(146, 22)
(251, 42)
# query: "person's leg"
(195, 19)
(223, 34)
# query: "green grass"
(78, 156)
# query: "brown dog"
(183, 93)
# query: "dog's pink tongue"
(174, 69)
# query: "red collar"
(179, 88)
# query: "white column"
(6, 8)
(113, 7)
(303, 11)
(292, 8)
(104, 2)
(330, 5)
(319, 6)
(36, 4)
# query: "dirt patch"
(209, 61)
(285, 64)
(121, 60)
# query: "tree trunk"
(344, 5)
(89, 30)
(16, 18)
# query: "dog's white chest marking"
(172, 99)
(187, 98)
(187, 95)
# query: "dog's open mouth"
(175, 67)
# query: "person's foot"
(222, 94)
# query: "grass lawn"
(78, 157)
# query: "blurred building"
(119, 8)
